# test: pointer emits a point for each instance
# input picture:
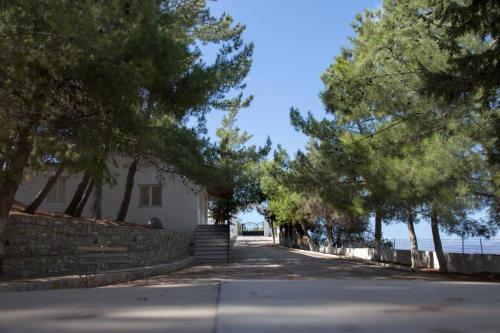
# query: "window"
(58, 191)
(144, 201)
(149, 195)
(156, 196)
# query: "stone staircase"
(212, 243)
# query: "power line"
(369, 136)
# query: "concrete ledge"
(355, 259)
(110, 277)
(401, 259)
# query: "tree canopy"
(400, 142)
(411, 130)
(126, 75)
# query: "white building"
(177, 202)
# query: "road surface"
(264, 289)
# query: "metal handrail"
(228, 242)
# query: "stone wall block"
(44, 246)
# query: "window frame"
(150, 195)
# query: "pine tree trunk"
(415, 260)
(378, 233)
(287, 235)
(290, 235)
(85, 199)
(305, 237)
(272, 231)
(12, 174)
(298, 235)
(78, 195)
(338, 237)
(438, 246)
(127, 194)
(329, 237)
(282, 235)
(301, 236)
(284, 232)
(33, 206)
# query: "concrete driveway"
(264, 289)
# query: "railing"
(228, 243)
(250, 229)
(470, 245)
(252, 233)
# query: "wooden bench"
(95, 259)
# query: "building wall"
(183, 202)
(268, 232)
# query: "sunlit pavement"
(264, 289)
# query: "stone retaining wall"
(101, 279)
(47, 246)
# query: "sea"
(468, 245)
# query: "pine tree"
(240, 165)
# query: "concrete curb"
(111, 277)
(368, 262)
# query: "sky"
(295, 42)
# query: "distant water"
(472, 245)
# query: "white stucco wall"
(183, 202)
(268, 232)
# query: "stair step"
(211, 249)
(211, 240)
(211, 246)
(203, 238)
(208, 235)
(212, 243)
(204, 242)
(223, 251)
(212, 226)
(211, 253)
(212, 229)
(211, 257)
(200, 245)
(207, 243)
(214, 258)
(211, 236)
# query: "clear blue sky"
(295, 41)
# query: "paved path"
(264, 289)
(256, 258)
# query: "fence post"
(481, 243)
